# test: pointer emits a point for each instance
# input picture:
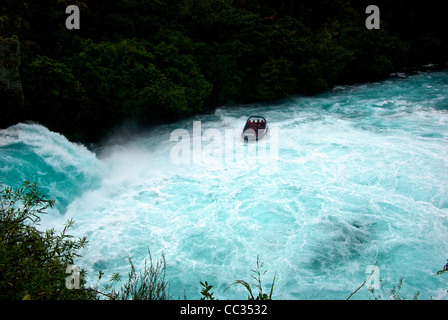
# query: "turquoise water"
(354, 177)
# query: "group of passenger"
(256, 125)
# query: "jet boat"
(256, 128)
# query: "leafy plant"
(205, 292)
(258, 274)
(150, 284)
(33, 263)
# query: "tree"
(276, 81)
(54, 96)
(33, 263)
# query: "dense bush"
(33, 263)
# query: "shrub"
(33, 263)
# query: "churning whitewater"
(359, 178)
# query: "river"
(343, 181)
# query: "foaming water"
(63, 169)
(360, 178)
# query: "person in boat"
(253, 125)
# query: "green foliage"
(53, 95)
(205, 292)
(108, 82)
(33, 263)
(152, 61)
(276, 80)
(150, 284)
